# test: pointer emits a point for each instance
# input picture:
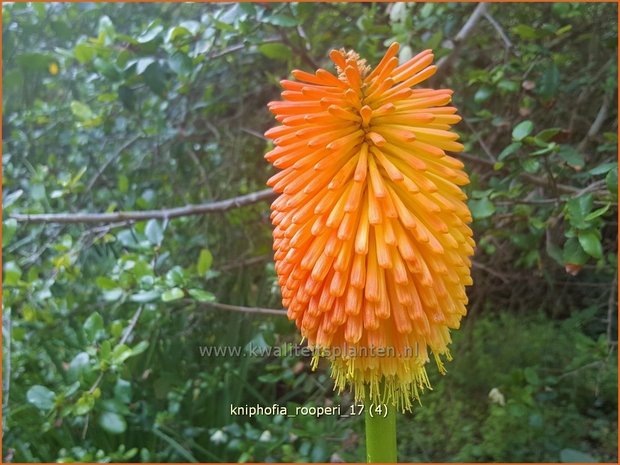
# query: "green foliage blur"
(115, 107)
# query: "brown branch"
(596, 126)
(113, 157)
(236, 308)
(445, 62)
(500, 31)
(563, 188)
(164, 214)
(245, 262)
(217, 206)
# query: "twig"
(481, 142)
(238, 47)
(586, 91)
(254, 133)
(301, 51)
(166, 213)
(113, 157)
(500, 30)
(444, 63)
(132, 325)
(126, 334)
(491, 271)
(601, 116)
(245, 262)
(235, 308)
(563, 188)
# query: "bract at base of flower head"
(371, 236)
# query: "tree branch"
(563, 188)
(235, 308)
(500, 31)
(445, 62)
(167, 213)
(217, 206)
(601, 116)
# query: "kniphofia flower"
(371, 237)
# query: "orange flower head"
(371, 236)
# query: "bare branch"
(563, 188)
(167, 213)
(500, 31)
(113, 157)
(235, 308)
(444, 63)
(601, 116)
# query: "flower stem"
(380, 433)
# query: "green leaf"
(85, 404)
(205, 260)
(172, 294)
(93, 327)
(79, 365)
(151, 33)
(483, 94)
(145, 296)
(9, 228)
(571, 155)
(139, 348)
(573, 252)
(84, 53)
(522, 130)
(275, 51)
(41, 397)
(549, 82)
(11, 198)
(508, 86)
(281, 20)
(180, 63)
(112, 422)
(512, 148)
(113, 295)
(143, 63)
(123, 184)
(82, 111)
(106, 283)
(482, 208)
(612, 181)
(106, 27)
(35, 61)
(591, 243)
(127, 97)
(122, 390)
(175, 276)
(120, 353)
(596, 213)
(176, 33)
(12, 274)
(202, 296)
(575, 456)
(525, 32)
(531, 165)
(603, 168)
(154, 232)
(248, 8)
(546, 134)
(154, 78)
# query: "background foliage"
(112, 107)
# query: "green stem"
(380, 434)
